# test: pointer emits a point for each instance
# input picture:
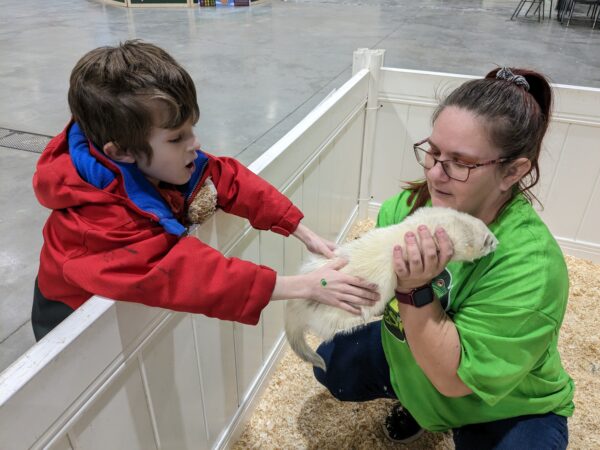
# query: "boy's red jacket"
(112, 235)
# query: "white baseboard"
(373, 210)
(580, 249)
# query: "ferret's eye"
(489, 242)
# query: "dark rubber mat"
(21, 140)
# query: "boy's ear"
(516, 170)
(113, 151)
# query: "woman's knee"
(330, 378)
(320, 375)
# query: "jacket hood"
(71, 172)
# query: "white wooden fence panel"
(310, 197)
(388, 149)
(61, 444)
(221, 231)
(348, 154)
(399, 126)
(118, 418)
(326, 177)
(337, 176)
(552, 149)
(272, 255)
(45, 389)
(216, 352)
(293, 248)
(574, 181)
(590, 225)
(417, 87)
(247, 339)
(576, 104)
(172, 375)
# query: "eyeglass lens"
(426, 159)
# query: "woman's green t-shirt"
(508, 308)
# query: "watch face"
(423, 296)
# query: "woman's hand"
(315, 243)
(416, 265)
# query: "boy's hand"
(315, 243)
(330, 286)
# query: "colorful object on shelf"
(203, 3)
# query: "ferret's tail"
(294, 331)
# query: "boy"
(119, 180)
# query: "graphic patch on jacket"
(441, 286)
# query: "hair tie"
(506, 74)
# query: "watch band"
(418, 297)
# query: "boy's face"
(174, 152)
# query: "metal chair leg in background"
(594, 7)
(540, 9)
(518, 9)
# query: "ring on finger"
(323, 282)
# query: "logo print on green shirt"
(392, 322)
(441, 286)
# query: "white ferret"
(370, 258)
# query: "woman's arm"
(430, 333)
(435, 344)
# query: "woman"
(471, 347)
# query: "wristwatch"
(418, 297)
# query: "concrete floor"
(258, 71)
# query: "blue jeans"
(357, 371)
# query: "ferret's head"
(470, 237)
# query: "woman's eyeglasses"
(456, 170)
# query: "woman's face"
(459, 135)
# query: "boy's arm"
(245, 194)
(190, 276)
(182, 275)
(315, 243)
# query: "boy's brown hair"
(112, 90)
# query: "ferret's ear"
(112, 150)
(514, 171)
